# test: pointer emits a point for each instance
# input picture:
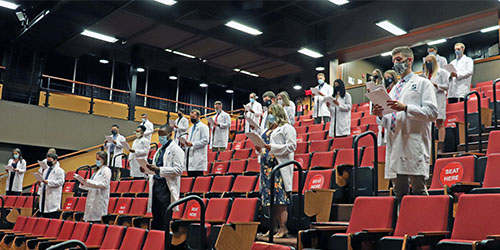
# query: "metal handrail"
(495, 122)
(202, 220)
(271, 203)
(85, 167)
(113, 161)
(68, 244)
(357, 163)
(478, 119)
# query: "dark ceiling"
(197, 28)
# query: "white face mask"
(280, 102)
(138, 134)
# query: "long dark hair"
(340, 89)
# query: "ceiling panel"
(122, 24)
(237, 58)
(279, 71)
(206, 47)
(163, 36)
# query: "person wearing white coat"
(320, 110)
(181, 126)
(115, 148)
(281, 139)
(219, 132)
(255, 112)
(288, 106)
(139, 150)
(51, 188)
(164, 186)
(340, 113)
(440, 79)
(461, 80)
(268, 98)
(149, 126)
(197, 146)
(14, 184)
(433, 51)
(409, 127)
(98, 190)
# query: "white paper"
(380, 97)
(329, 99)
(144, 166)
(256, 139)
(450, 68)
(210, 121)
(252, 123)
(172, 123)
(315, 91)
(10, 168)
(79, 178)
(38, 177)
(350, 80)
(371, 86)
(183, 140)
(109, 138)
(247, 107)
(125, 145)
(42, 164)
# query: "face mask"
(163, 140)
(252, 99)
(16, 156)
(50, 163)
(194, 120)
(432, 53)
(280, 102)
(271, 119)
(267, 103)
(458, 53)
(388, 81)
(336, 89)
(428, 66)
(143, 119)
(98, 163)
(114, 132)
(138, 134)
(400, 67)
(321, 81)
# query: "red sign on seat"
(451, 174)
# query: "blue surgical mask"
(16, 156)
(163, 140)
(98, 163)
(143, 119)
(321, 81)
(458, 53)
(252, 99)
(271, 119)
(432, 53)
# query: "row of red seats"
(14, 201)
(117, 206)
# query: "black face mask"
(375, 77)
(114, 132)
(336, 89)
(428, 66)
(194, 120)
(267, 103)
(50, 163)
(179, 114)
(388, 81)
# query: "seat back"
(114, 237)
(10, 200)
(302, 147)
(69, 187)
(225, 156)
(66, 230)
(70, 203)
(370, 119)
(217, 209)
(20, 223)
(342, 142)
(319, 146)
(237, 145)
(134, 237)
(240, 137)
(237, 166)
(302, 137)
(177, 215)
(212, 156)
(492, 173)
(202, 184)
(41, 226)
(123, 187)
(80, 231)
(186, 184)
(155, 240)
(221, 184)
(242, 154)
(53, 228)
(192, 210)
(493, 142)
(137, 186)
(96, 235)
(368, 156)
(344, 157)
(318, 179)
(372, 212)
(139, 206)
(20, 201)
(30, 225)
(113, 185)
(424, 214)
(220, 167)
(322, 159)
(477, 217)
(243, 210)
(244, 184)
(448, 171)
(317, 136)
(253, 166)
(80, 205)
(112, 204)
(316, 128)
(300, 130)
(303, 159)
(249, 144)
(123, 205)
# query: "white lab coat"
(441, 79)
(98, 196)
(408, 147)
(41, 169)
(173, 165)
(17, 185)
(141, 147)
(283, 143)
(255, 116)
(182, 127)
(341, 123)
(149, 129)
(460, 85)
(220, 135)
(118, 150)
(198, 153)
(290, 113)
(53, 191)
(320, 109)
(263, 120)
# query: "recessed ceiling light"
(310, 53)
(297, 87)
(388, 53)
(320, 68)
(339, 2)
(172, 77)
(386, 25)
(8, 5)
(436, 42)
(229, 91)
(106, 61)
(140, 69)
(492, 28)
(167, 2)
(99, 36)
(203, 85)
(244, 28)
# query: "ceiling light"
(386, 25)
(246, 72)
(320, 68)
(297, 87)
(436, 42)
(339, 2)
(388, 53)
(229, 91)
(167, 2)
(203, 85)
(172, 77)
(140, 69)
(492, 28)
(106, 61)
(173, 74)
(98, 36)
(310, 53)
(180, 53)
(8, 5)
(244, 28)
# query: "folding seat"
(69, 175)
(201, 185)
(355, 121)
(356, 115)
(242, 154)
(136, 188)
(302, 137)
(69, 206)
(192, 211)
(69, 230)
(476, 223)
(237, 145)
(344, 157)
(233, 126)
(220, 167)
(301, 130)
(20, 201)
(97, 233)
(186, 184)
(225, 156)
(113, 185)
(356, 130)
(112, 204)
(209, 168)
(242, 185)
(220, 185)
(486, 84)
(240, 137)
(491, 182)
(122, 207)
(155, 240)
(53, 231)
(237, 167)
(69, 187)
(306, 123)
(42, 227)
(212, 156)
(322, 160)
(364, 108)
(28, 229)
(372, 127)
(493, 142)
(303, 159)
(342, 142)
(9, 201)
(449, 171)
(318, 179)
(301, 147)
(18, 227)
(253, 166)
(249, 144)
(253, 154)
(316, 128)
(78, 212)
(371, 218)
(320, 146)
(133, 239)
(368, 156)
(370, 119)
(123, 187)
(295, 183)
(177, 215)
(316, 136)
(137, 209)
(305, 117)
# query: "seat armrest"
(494, 237)
(433, 233)
(246, 223)
(378, 230)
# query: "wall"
(356, 70)
(486, 71)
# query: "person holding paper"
(219, 130)
(51, 188)
(288, 106)
(439, 78)
(98, 190)
(460, 80)
(254, 113)
(115, 147)
(433, 51)
(378, 78)
(269, 98)
(149, 126)
(50, 151)
(139, 150)
(180, 125)
(281, 142)
(408, 127)
(340, 112)
(197, 146)
(164, 186)
(320, 110)
(16, 167)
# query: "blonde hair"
(460, 44)
(435, 66)
(380, 79)
(322, 74)
(197, 112)
(285, 98)
(279, 113)
(404, 50)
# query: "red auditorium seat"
(242, 154)
(448, 171)
(253, 166)
(225, 156)
(122, 205)
(137, 187)
(243, 184)
(249, 144)
(201, 184)
(371, 127)
(54, 230)
(38, 231)
(155, 240)
(113, 185)
(237, 167)
(491, 183)
(322, 159)
(240, 137)
(316, 128)
(342, 142)
(356, 115)
(123, 187)
(370, 119)
(316, 136)
(305, 117)
(133, 239)
(212, 156)
(493, 143)
(301, 147)
(217, 210)
(367, 141)
(28, 229)
(318, 179)
(96, 235)
(112, 204)
(10, 200)
(20, 201)
(69, 230)
(302, 137)
(301, 130)
(70, 204)
(319, 146)
(364, 108)
(186, 184)
(368, 156)
(485, 84)
(79, 207)
(70, 174)
(237, 145)
(177, 215)
(192, 211)
(303, 159)
(69, 187)
(306, 123)
(355, 121)
(221, 184)
(220, 167)
(344, 157)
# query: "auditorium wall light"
(339, 2)
(436, 42)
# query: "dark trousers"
(325, 119)
(195, 173)
(13, 193)
(161, 200)
(455, 99)
(53, 215)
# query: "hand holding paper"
(8, 167)
(109, 139)
(450, 68)
(380, 97)
(211, 121)
(330, 100)
(125, 145)
(252, 123)
(247, 107)
(315, 91)
(38, 177)
(144, 166)
(256, 139)
(79, 178)
(42, 164)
